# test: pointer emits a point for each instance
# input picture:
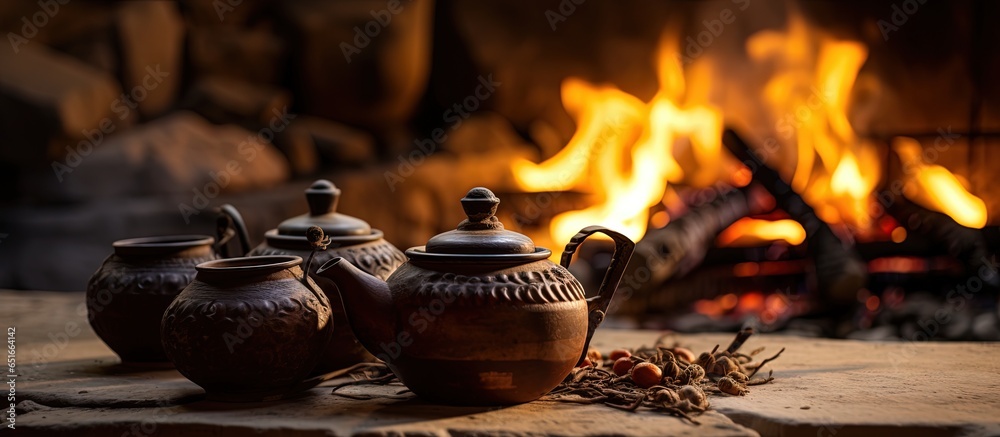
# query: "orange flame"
(624, 151)
(749, 232)
(937, 189)
(810, 95)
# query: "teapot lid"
(481, 237)
(322, 197)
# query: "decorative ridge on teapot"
(530, 287)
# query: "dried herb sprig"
(685, 384)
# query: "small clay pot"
(350, 238)
(248, 329)
(128, 294)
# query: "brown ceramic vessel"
(478, 316)
(128, 294)
(350, 238)
(248, 329)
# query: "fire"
(624, 150)
(935, 188)
(628, 154)
(749, 232)
(809, 95)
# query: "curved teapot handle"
(230, 223)
(598, 305)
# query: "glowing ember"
(749, 232)
(937, 189)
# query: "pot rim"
(161, 244)
(250, 264)
(419, 255)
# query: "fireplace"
(812, 166)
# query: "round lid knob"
(481, 233)
(322, 197)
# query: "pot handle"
(598, 305)
(230, 223)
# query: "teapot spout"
(367, 303)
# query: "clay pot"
(350, 238)
(248, 329)
(479, 316)
(128, 294)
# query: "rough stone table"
(70, 383)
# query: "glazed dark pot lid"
(160, 245)
(299, 242)
(322, 197)
(480, 238)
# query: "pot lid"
(481, 233)
(322, 197)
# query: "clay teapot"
(479, 316)
(127, 295)
(248, 329)
(350, 238)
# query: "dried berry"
(646, 375)
(595, 356)
(619, 353)
(622, 366)
(683, 354)
(586, 363)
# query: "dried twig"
(762, 363)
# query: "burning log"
(840, 272)
(964, 244)
(681, 245)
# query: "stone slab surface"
(822, 387)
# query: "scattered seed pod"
(619, 353)
(694, 395)
(622, 366)
(694, 373)
(664, 395)
(724, 365)
(706, 361)
(671, 369)
(739, 377)
(731, 386)
(595, 356)
(646, 375)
